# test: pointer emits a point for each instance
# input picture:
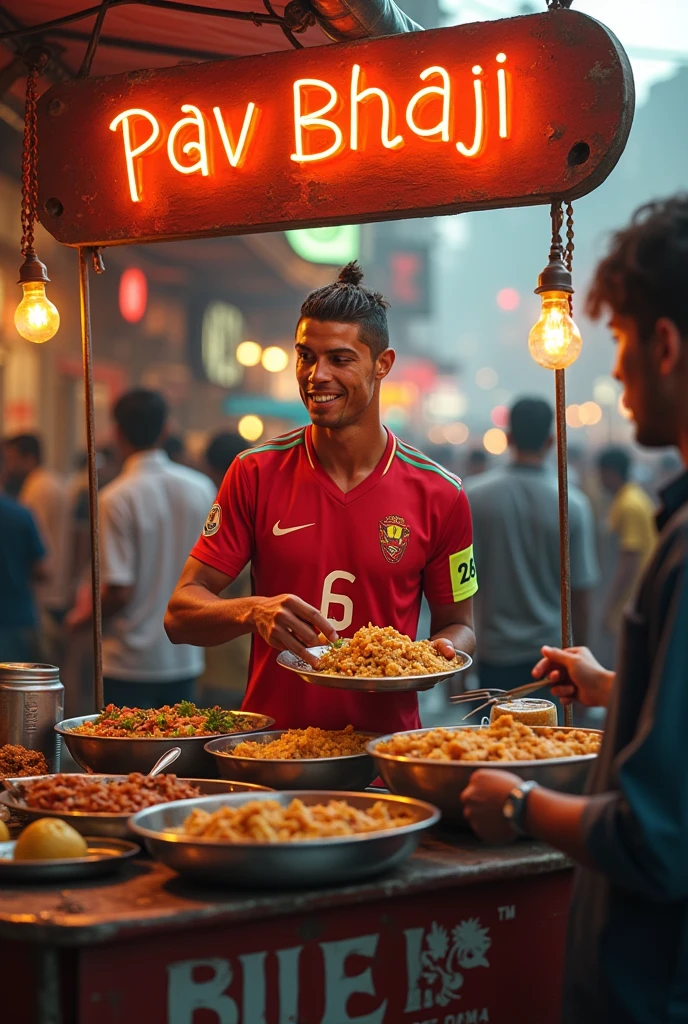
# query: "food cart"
(462, 933)
(530, 110)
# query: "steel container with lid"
(31, 704)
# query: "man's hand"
(444, 647)
(288, 623)
(578, 675)
(483, 799)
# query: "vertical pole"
(564, 552)
(87, 358)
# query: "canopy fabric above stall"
(155, 33)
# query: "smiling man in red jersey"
(343, 523)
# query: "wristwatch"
(514, 807)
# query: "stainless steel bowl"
(383, 684)
(113, 755)
(442, 782)
(353, 772)
(112, 826)
(269, 865)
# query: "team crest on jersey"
(212, 523)
(394, 538)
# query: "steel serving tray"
(114, 755)
(104, 857)
(271, 865)
(112, 826)
(351, 772)
(382, 684)
(441, 782)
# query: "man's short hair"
(644, 273)
(347, 301)
(617, 460)
(140, 415)
(530, 424)
(27, 445)
(222, 450)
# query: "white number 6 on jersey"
(329, 598)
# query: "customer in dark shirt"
(22, 563)
(627, 958)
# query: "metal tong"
(495, 696)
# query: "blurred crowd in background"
(154, 499)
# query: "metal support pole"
(87, 358)
(564, 552)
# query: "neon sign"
(305, 120)
(476, 116)
(235, 154)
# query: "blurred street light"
(456, 433)
(500, 416)
(275, 359)
(251, 427)
(590, 413)
(508, 299)
(605, 391)
(573, 417)
(495, 441)
(248, 353)
(133, 294)
(487, 378)
(436, 434)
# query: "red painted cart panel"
(491, 952)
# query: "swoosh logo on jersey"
(280, 531)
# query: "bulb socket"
(33, 270)
(556, 277)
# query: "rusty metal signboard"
(495, 114)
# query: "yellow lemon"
(4, 832)
(49, 839)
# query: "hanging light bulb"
(555, 341)
(36, 318)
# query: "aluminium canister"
(31, 704)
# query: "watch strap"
(514, 808)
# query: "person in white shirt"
(150, 517)
(46, 496)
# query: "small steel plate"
(382, 684)
(104, 856)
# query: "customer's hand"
(483, 800)
(288, 623)
(578, 676)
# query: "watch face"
(509, 809)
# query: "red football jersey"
(362, 556)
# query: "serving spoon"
(165, 761)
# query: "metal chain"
(568, 251)
(30, 159)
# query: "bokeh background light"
(495, 441)
(251, 427)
